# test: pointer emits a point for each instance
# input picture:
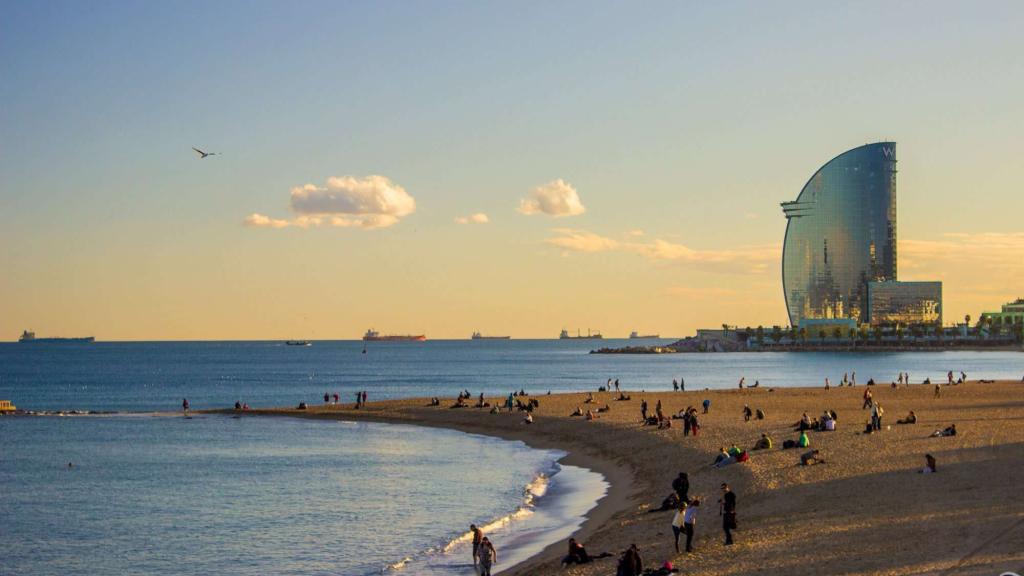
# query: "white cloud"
(747, 258)
(478, 218)
(582, 241)
(346, 201)
(260, 221)
(993, 250)
(635, 233)
(556, 198)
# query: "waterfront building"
(841, 234)
(1011, 315)
(841, 239)
(893, 303)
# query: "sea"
(138, 488)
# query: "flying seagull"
(203, 154)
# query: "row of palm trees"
(879, 334)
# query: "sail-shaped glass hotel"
(841, 235)
(841, 240)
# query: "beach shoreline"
(782, 505)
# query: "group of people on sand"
(241, 405)
(360, 399)
(748, 413)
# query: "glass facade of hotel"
(904, 303)
(841, 235)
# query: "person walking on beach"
(327, 398)
(616, 384)
(747, 413)
(682, 384)
(867, 399)
(826, 383)
(184, 405)
(359, 397)
(707, 404)
(728, 503)
(364, 397)
(742, 380)
(643, 409)
(488, 556)
(677, 523)
(478, 536)
(936, 390)
(689, 519)
(853, 378)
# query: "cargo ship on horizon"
(566, 336)
(634, 335)
(479, 336)
(30, 337)
(374, 336)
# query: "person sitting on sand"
(828, 424)
(810, 457)
(622, 397)
(929, 465)
(578, 554)
(681, 486)
(460, 403)
(910, 419)
(804, 423)
(765, 443)
(528, 419)
(577, 412)
(735, 450)
(591, 415)
(606, 408)
(723, 455)
(757, 384)
(494, 409)
(238, 405)
(630, 564)
(759, 414)
(949, 431)
(804, 441)
(747, 413)
(435, 401)
(590, 398)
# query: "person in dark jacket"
(728, 503)
(682, 486)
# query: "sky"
(515, 168)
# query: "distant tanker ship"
(588, 336)
(479, 336)
(374, 336)
(27, 336)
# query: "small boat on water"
(634, 335)
(298, 343)
(479, 336)
(374, 336)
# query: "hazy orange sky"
(514, 169)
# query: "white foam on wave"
(535, 490)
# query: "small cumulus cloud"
(582, 241)
(556, 198)
(256, 220)
(756, 259)
(478, 218)
(635, 233)
(345, 201)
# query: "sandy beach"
(866, 510)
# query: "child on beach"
(677, 523)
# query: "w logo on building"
(889, 152)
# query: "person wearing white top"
(677, 522)
(689, 519)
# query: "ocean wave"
(534, 491)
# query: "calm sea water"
(215, 494)
(156, 376)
